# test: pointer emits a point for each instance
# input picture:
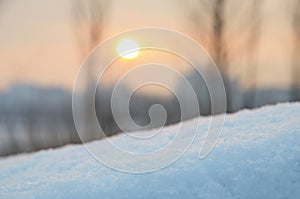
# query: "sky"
(38, 44)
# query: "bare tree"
(215, 15)
(223, 29)
(89, 20)
(211, 14)
(296, 62)
(255, 25)
(218, 33)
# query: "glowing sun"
(128, 49)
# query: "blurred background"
(254, 43)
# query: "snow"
(257, 156)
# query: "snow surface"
(257, 156)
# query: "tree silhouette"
(215, 15)
(254, 34)
(89, 20)
(222, 31)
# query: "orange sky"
(38, 45)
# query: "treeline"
(33, 118)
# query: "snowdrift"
(257, 156)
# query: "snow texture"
(257, 156)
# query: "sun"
(128, 49)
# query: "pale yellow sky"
(38, 44)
